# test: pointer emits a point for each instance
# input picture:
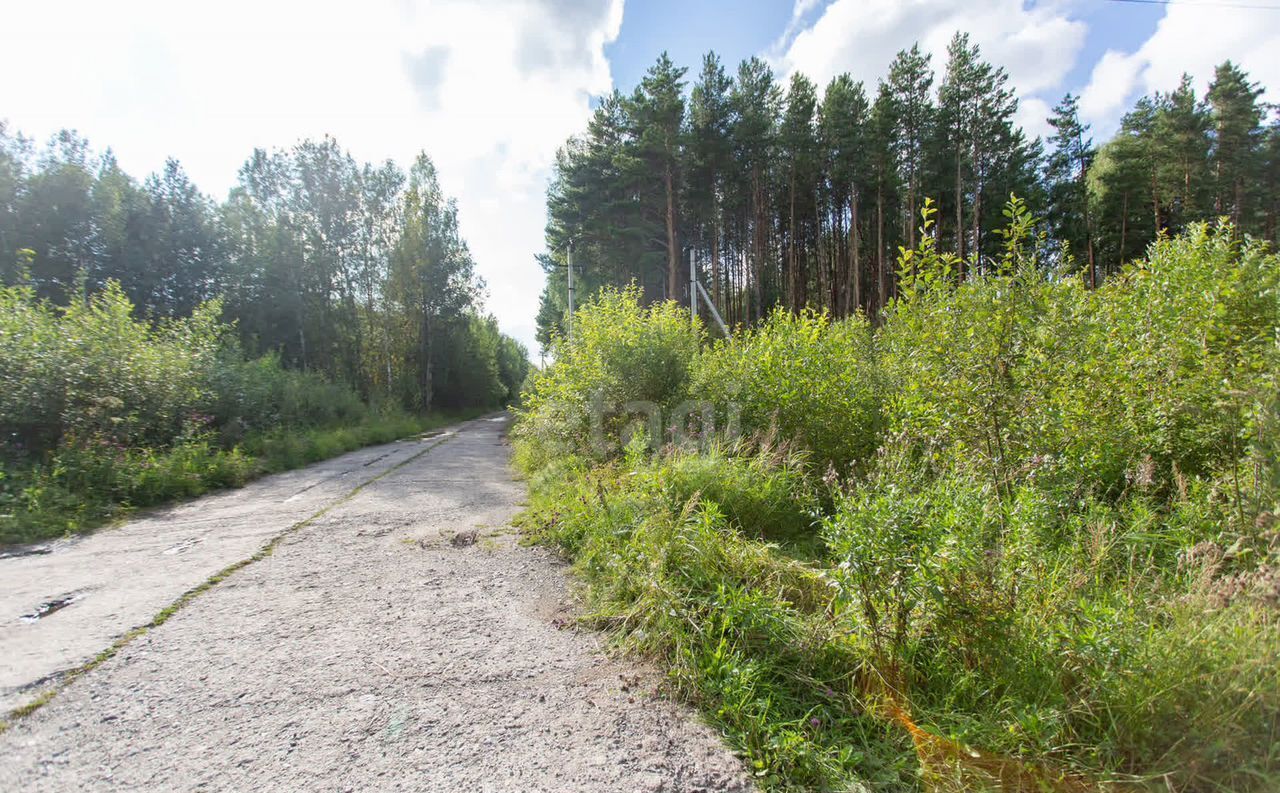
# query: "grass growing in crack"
(185, 598)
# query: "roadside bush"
(101, 412)
(93, 372)
(1151, 377)
(259, 394)
(624, 359)
(800, 377)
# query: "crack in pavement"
(370, 653)
(65, 677)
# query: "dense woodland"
(155, 344)
(785, 195)
(355, 271)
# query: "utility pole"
(695, 289)
(570, 289)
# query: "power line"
(1202, 5)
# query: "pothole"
(50, 606)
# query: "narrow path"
(369, 651)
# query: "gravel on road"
(397, 638)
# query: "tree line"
(356, 271)
(787, 197)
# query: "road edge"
(65, 679)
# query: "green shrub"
(101, 412)
(624, 358)
(802, 377)
(1137, 383)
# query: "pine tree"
(883, 125)
(1067, 173)
(959, 119)
(657, 116)
(1270, 182)
(909, 83)
(1126, 207)
(798, 149)
(843, 121)
(1181, 147)
(709, 159)
(1237, 130)
(756, 100)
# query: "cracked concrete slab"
(368, 651)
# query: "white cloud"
(1191, 39)
(1037, 45)
(1113, 82)
(488, 89)
(1033, 116)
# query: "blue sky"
(736, 32)
(490, 88)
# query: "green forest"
(980, 492)
(787, 196)
(155, 343)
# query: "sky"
(490, 88)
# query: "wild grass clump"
(1023, 531)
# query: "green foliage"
(357, 273)
(623, 357)
(101, 411)
(800, 377)
(83, 485)
(739, 627)
(1058, 544)
(763, 493)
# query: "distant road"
(396, 638)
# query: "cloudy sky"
(490, 88)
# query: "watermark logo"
(694, 424)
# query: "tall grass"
(1020, 536)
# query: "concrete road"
(375, 648)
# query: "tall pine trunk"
(855, 261)
(881, 275)
(673, 255)
(959, 214)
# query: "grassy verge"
(1019, 536)
(81, 488)
(737, 612)
(693, 559)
